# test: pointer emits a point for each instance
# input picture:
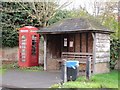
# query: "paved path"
(23, 79)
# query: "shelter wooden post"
(65, 72)
(88, 67)
(94, 51)
(45, 52)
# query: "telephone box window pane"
(34, 38)
(23, 56)
(24, 40)
(23, 46)
(23, 50)
(23, 60)
(23, 37)
(23, 43)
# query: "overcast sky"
(89, 4)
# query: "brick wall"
(10, 54)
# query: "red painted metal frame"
(30, 60)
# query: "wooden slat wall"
(90, 43)
(77, 43)
(86, 42)
(83, 42)
(80, 42)
(54, 46)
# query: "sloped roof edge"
(75, 25)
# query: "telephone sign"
(28, 46)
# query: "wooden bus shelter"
(75, 39)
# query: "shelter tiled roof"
(74, 25)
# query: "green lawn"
(16, 67)
(2, 70)
(108, 80)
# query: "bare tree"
(105, 9)
(45, 10)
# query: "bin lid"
(72, 64)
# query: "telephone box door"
(34, 49)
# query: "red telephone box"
(28, 46)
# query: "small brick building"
(76, 39)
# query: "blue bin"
(72, 64)
(72, 70)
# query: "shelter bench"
(81, 57)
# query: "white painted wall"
(102, 47)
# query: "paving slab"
(28, 79)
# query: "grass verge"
(2, 71)
(107, 80)
(16, 67)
